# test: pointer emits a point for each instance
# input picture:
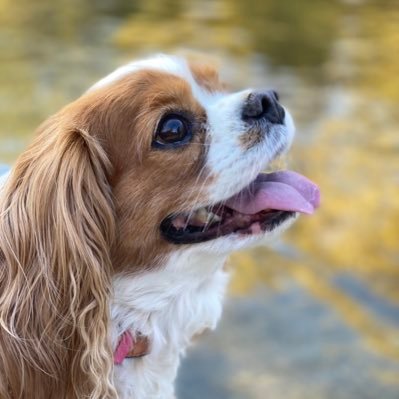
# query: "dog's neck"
(168, 305)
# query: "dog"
(115, 225)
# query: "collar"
(131, 347)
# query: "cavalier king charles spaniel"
(116, 222)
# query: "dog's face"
(187, 157)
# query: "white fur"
(233, 166)
(169, 306)
(184, 297)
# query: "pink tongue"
(284, 190)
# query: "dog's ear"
(56, 229)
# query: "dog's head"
(187, 157)
(155, 158)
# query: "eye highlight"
(173, 131)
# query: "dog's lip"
(235, 223)
(263, 205)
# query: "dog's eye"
(172, 131)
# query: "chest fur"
(169, 306)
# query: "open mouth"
(267, 202)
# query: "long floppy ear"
(56, 229)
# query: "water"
(317, 315)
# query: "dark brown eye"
(172, 131)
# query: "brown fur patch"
(148, 184)
(207, 76)
(251, 138)
(56, 229)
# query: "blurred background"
(317, 315)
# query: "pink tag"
(125, 345)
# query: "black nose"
(263, 104)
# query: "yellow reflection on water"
(382, 338)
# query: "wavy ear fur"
(56, 229)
